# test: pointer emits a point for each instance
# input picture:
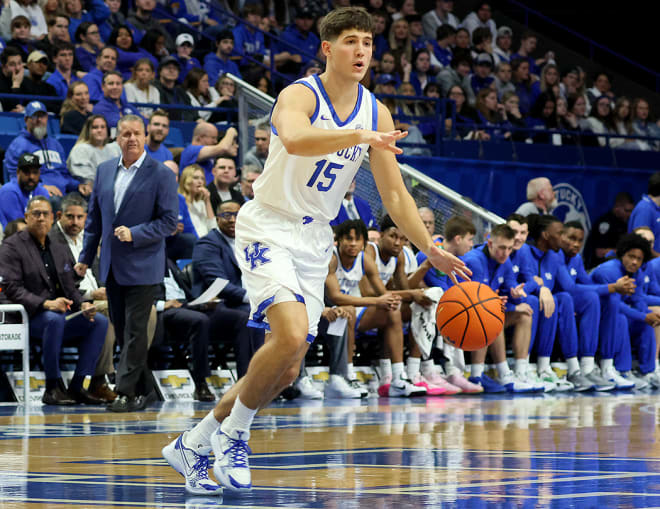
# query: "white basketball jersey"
(411, 260)
(312, 188)
(349, 278)
(385, 270)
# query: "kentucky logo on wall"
(571, 206)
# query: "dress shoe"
(103, 392)
(85, 397)
(203, 393)
(127, 404)
(57, 396)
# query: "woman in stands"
(199, 93)
(153, 43)
(89, 44)
(602, 119)
(400, 43)
(76, 108)
(522, 80)
(139, 88)
(543, 116)
(642, 125)
(515, 119)
(421, 73)
(226, 88)
(91, 149)
(462, 39)
(466, 117)
(491, 114)
(623, 125)
(549, 81)
(192, 185)
(122, 39)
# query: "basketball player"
(348, 267)
(322, 127)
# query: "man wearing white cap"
(184, 48)
(37, 64)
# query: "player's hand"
(538, 280)
(422, 299)
(330, 314)
(80, 268)
(517, 292)
(653, 319)
(546, 302)
(89, 310)
(385, 141)
(525, 309)
(503, 300)
(172, 304)
(389, 301)
(625, 285)
(449, 264)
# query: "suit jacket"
(56, 235)
(150, 209)
(24, 277)
(213, 257)
(215, 197)
(180, 280)
(363, 209)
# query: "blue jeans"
(55, 332)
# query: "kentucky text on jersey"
(351, 153)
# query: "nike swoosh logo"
(189, 470)
(323, 117)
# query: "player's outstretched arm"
(402, 207)
(295, 106)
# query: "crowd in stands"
(92, 64)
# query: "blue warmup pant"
(587, 307)
(612, 326)
(562, 321)
(621, 352)
(642, 339)
(55, 332)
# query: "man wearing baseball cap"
(37, 64)
(170, 93)
(15, 195)
(34, 139)
(184, 48)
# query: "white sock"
(606, 364)
(657, 364)
(587, 365)
(542, 364)
(502, 368)
(572, 365)
(240, 418)
(397, 370)
(385, 367)
(521, 365)
(476, 370)
(428, 367)
(350, 374)
(412, 366)
(199, 437)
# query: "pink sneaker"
(435, 385)
(465, 385)
(384, 388)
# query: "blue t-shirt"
(215, 66)
(162, 154)
(13, 200)
(189, 156)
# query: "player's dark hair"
(539, 223)
(573, 224)
(633, 241)
(344, 229)
(518, 218)
(386, 223)
(623, 198)
(503, 231)
(217, 209)
(345, 18)
(654, 183)
(457, 225)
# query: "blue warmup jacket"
(13, 200)
(499, 277)
(111, 111)
(575, 268)
(433, 276)
(646, 213)
(51, 155)
(523, 269)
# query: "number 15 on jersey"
(327, 170)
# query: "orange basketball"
(470, 315)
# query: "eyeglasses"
(40, 213)
(227, 215)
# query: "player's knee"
(350, 311)
(394, 318)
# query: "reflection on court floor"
(593, 451)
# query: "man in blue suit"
(213, 257)
(354, 207)
(132, 210)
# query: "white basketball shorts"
(282, 259)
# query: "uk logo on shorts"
(255, 255)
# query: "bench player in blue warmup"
(322, 126)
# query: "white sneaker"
(535, 380)
(307, 389)
(338, 387)
(231, 466)
(640, 383)
(363, 388)
(652, 378)
(560, 384)
(402, 387)
(513, 382)
(192, 466)
(621, 383)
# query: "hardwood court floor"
(535, 451)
